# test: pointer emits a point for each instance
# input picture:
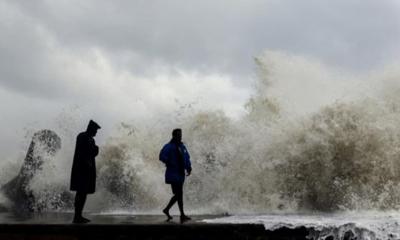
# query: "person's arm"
(164, 154)
(188, 164)
(95, 148)
(83, 149)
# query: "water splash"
(369, 225)
(313, 138)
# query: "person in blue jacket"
(177, 160)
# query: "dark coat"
(83, 175)
(175, 164)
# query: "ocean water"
(351, 225)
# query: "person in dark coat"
(83, 175)
(177, 160)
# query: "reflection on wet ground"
(66, 217)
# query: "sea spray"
(312, 139)
(343, 157)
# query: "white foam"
(364, 225)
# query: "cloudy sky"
(121, 60)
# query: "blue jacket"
(169, 156)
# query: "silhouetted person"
(83, 175)
(176, 158)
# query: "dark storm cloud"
(22, 54)
(204, 36)
(28, 58)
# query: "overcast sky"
(121, 60)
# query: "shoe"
(166, 212)
(80, 220)
(185, 218)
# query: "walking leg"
(179, 196)
(168, 207)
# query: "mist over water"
(312, 138)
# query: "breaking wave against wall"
(313, 138)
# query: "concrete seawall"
(49, 226)
(146, 231)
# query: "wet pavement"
(57, 225)
(117, 219)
